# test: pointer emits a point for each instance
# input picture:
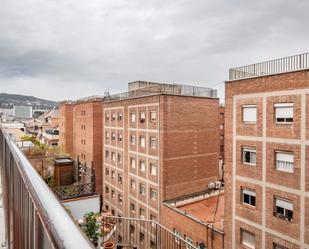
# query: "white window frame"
(142, 116)
(286, 165)
(286, 205)
(153, 194)
(133, 162)
(142, 165)
(249, 113)
(284, 111)
(250, 150)
(251, 193)
(133, 184)
(142, 189)
(153, 142)
(153, 116)
(142, 140)
(247, 243)
(153, 168)
(133, 117)
(133, 139)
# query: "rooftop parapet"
(143, 88)
(277, 66)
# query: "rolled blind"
(284, 110)
(285, 157)
(249, 113)
(284, 204)
(248, 192)
(248, 239)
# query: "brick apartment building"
(87, 135)
(81, 133)
(160, 142)
(66, 126)
(266, 155)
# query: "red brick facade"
(267, 136)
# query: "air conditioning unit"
(211, 185)
(218, 184)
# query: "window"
(107, 117)
(113, 194)
(133, 117)
(120, 199)
(190, 242)
(284, 112)
(142, 165)
(277, 246)
(142, 117)
(142, 141)
(153, 143)
(133, 139)
(221, 126)
(132, 207)
(141, 237)
(107, 172)
(142, 189)
(113, 174)
(113, 136)
(153, 194)
(249, 113)
(119, 116)
(283, 209)
(113, 116)
(132, 184)
(113, 155)
(249, 155)
(247, 239)
(153, 116)
(119, 137)
(106, 154)
(142, 213)
(178, 234)
(153, 169)
(120, 178)
(284, 161)
(107, 135)
(132, 229)
(132, 162)
(106, 190)
(248, 196)
(119, 158)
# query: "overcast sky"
(66, 49)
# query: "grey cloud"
(87, 47)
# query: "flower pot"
(109, 245)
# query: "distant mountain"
(9, 100)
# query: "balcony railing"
(282, 65)
(34, 218)
(141, 233)
(74, 190)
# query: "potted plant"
(109, 245)
(90, 227)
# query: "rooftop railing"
(282, 65)
(173, 89)
(34, 218)
(141, 233)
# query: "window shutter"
(248, 192)
(249, 113)
(285, 157)
(284, 204)
(284, 110)
(248, 239)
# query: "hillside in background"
(9, 100)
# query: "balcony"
(33, 216)
(277, 66)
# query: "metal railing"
(34, 218)
(173, 89)
(141, 233)
(282, 65)
(74, 191)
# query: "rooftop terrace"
(277, 66)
